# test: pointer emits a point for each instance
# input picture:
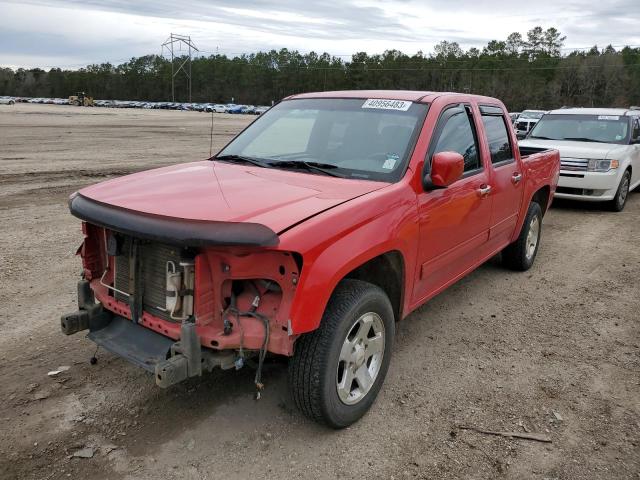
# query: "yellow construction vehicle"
(81, 100)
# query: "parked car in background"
(599, 152)
(248, 109)
(526, 120)
(260, 110)
(7, 101)
(217, 108)
(236, 109)
(327, 220)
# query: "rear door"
(506, 179)
(454, 221)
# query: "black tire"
(518, 255)
(314, 367)
(622, 194)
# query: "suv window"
(458, 135)
(635, 135)
(498, 138)
(583, 128)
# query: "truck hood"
(212, 191)
(571, 149)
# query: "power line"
(343, 55)
(345, 68)
(371, 57)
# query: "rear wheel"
(620, 200)
(521, 254)
(338, 369)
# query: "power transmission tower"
(178, 41)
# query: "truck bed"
(528, 151)
(542, 166)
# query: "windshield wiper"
(310, 166)
(541, 138)
(244, 159)
(581, 139)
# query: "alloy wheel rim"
(360, 358)
(532, 237)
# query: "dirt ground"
(553, 351)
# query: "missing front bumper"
(170, 362)
(134, 343)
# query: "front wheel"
(620, 200)
(521, 254)
(337, 370)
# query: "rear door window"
(498, 138)
(635, 134)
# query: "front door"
(454, 221)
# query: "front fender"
(340, 240)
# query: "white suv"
(599, 152)
(526, 121)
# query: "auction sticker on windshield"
(401, 105)
(608, 117)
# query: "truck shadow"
(577, 206)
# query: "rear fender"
(531, 197)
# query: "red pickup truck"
(327, 220)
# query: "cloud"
(313, 18)
(43, 32)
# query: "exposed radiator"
(153, 258)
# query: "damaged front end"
(179, 298)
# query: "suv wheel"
(620, 200)
(521, 254)
(338, 369)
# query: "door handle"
(516, 178)
(484, 190)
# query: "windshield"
(351, 138)
(583, 128)
(530, 114)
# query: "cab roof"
(407, 95)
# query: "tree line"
(525, 71)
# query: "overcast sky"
(73, 33)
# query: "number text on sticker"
(387, 104)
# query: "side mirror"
(446, 168)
